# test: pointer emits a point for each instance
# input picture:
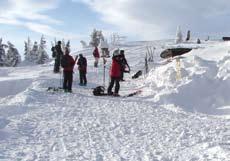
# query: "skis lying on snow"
(56, 90)
(99, 91)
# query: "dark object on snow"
(174, 52)
(99, 91)
(138, 74)
(54, 89)
(198, 41)
(226, 38)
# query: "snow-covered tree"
(96, 37)
(83, 43)
(2, 53)
(28, 48)
(179, 36)
(117, 39)
(68, 45)
(13, 58)
(42, 54)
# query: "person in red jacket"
(68, 66)
(96, 56)
(115, 74)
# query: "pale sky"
(136, 19)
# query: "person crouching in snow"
(68, 64)
(82, 67)
(96, 56)
(115, 74)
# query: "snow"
(172, 119)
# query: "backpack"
(64, 62)
(99, 91)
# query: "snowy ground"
(171, 120)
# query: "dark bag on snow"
(64, 62)
(99, 91)
(138, 74)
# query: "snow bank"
(204, 86)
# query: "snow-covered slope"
(172, 119)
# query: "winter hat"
(116, 53)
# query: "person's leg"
(84, 78)
(81, 77)
(117, 86)
(65, 80)
(70, 81)
(109, 91)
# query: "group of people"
(67, 62)
(118, 67)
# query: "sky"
(74, 20)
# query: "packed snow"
(185, 117)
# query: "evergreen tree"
(42, 54)
(28, 48)
(13, 58)
(2, 53)
(179, 36)
(68, 45)
(96, 37)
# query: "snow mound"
(201, 89)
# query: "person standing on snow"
(115, 74)
(68, 63)
(124, 64)
(82, 67)
(58, 56)
(96, 56)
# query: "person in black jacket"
(58, 55)
(82, 67)
(124, 64)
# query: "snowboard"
(174, 52)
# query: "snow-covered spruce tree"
(42, 54)
(13, 58)
(96, 37)
(2, 53)
(33, 54)
(28, 49)
(83, 43)
(68, 45)
(179, 36)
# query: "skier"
(96, 56)
(82, 67)
(115, 73)
(68, 63)
(58, 56)
(124, 64)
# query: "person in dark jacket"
(115, 74)
(58, 55)
(82, 67)
(68, 71)
(96, 56)
(124, 64)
